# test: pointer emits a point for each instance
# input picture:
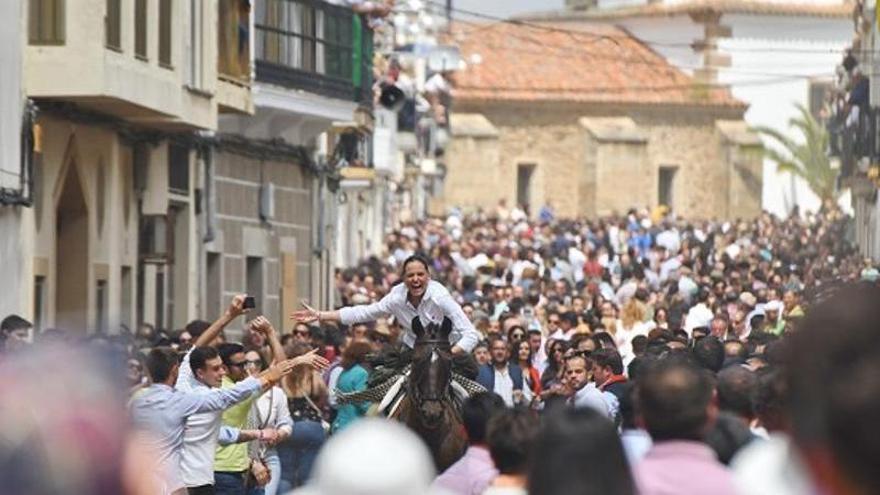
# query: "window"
(126, 291)
(160, 297)
(39, 302)
(301, 35)
(254, 278)
(666, 186)
(165, 33)
(233, 43)
(140, 29)
(101, 307)
(524, 185)
(46, 22)
(178, 169)
(818, 90)
(213, 283)
(113, 25)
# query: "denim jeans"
(298, 453)
(229, 483)
(273, 462)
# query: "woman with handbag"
(268, 412)
(306, 396)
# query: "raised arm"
(263, 325)
(221, 398)
(346, 316)
(235, 309)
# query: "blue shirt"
(353, 379)
(161, 411)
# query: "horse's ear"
(446, 327)
(417, 327)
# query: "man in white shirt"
(583, 392)
(699, 315)
(201, 371)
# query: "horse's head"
(431, 370)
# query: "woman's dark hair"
(513, 329)
(416, 258)
(604, 340)
(588, 445)
(356, 353)
(514, 350)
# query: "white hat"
(372, 457)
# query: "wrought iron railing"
(314, 46)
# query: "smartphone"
(249, 302)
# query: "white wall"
(11, 242)
(772, 59)
(662, 32)
(11, 38)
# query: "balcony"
(314, 46)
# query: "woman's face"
(517, 335)
(135, 371)
(481, 355)
(415, 277)
(660, 316)
(558, 353)
(253, 364)
(523, 351)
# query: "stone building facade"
(258, 249)
(567, 136)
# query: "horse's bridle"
(440, 346)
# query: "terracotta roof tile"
(528, 63)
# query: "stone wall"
(581, 174)
(279, 248)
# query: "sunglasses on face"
(253, 362)
(304, 333)
(239, 364)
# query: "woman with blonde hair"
(631, 324)
(306, 398)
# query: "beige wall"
(85, 71)
(582, 174)
(89, 152)
(475, 177)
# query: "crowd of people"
(639, 353)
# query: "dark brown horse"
(429, 408)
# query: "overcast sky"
(506, 8)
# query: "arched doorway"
(72, 255)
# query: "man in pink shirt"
(474, 472)
(675, 400)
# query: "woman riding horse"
(418, 296)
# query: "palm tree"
(807, 159)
